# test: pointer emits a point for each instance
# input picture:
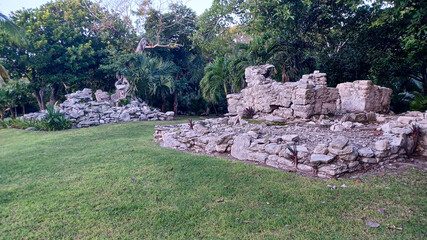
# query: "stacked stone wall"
(82, 111)
(305, 98)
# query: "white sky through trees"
(8, 6)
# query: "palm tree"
(16, 35)
(214, 83)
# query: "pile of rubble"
(82, 111)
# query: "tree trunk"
(425, 82)
(285, 77)
(2, 115)
(53, 92)
(40, 98)
(12, 113)
(23, 110)
(175, 103)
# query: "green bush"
(124, 102)
(419, 102)
(55, 120)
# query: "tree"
(214, 83)
(64, 48)
(169, 33)
(20, 93)
(165, 24)
(214, 34)
(149, 77)
(4, 101)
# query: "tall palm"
(214, 82)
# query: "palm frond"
(16, 33)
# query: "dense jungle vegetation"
(176, 60)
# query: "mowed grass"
(114, 182)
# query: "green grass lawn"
(113, 181)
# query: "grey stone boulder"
(366, 152)
(339, 143)
(321, 158)
(240, 148)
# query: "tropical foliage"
(188, 63)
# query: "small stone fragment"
(372, 224)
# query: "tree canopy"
(188, 63)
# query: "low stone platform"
(313, 147)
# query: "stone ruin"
(309, 96)
(328, 132)
(83, 111)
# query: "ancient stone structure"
(318, 150)
(82, 111)
(363, 96)
(329, 132)
(122, 87)
(305, 98)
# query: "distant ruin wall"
(305, 98)
(82, 111)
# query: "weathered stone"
(101, 96)
(344, 151)
(305, 168)
(368, 160)
(406, 119)
(337, 128)
(285, 163)
(362, 96)
(125, 117)
(353, 165)
(401, 131)
(221, 148)
(273, 148)
(321, 149)
(366, 152)
(272, 161)
(258, 157)
(275, 119)
(349, 157)
(333, 169)
(240, 148)
(320, 158)
(347, 125)
(290, 138)
(381, 145)
(339, 142)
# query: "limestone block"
(240, 148)
(321, 158)
(363, 96)
(339, 143)
(382, 145)
(366, 152)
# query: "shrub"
(124, 102)
(249, 113)
(3, 124)
(55, 120)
